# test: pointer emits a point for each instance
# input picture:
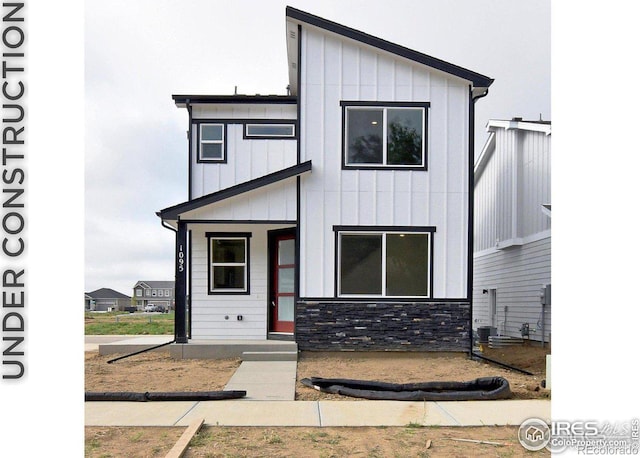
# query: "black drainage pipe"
(517, 369)
(164, 396)
(139, 351)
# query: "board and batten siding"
(209, 311)
(512, 237)
(334, 69)
(514, 183)
(274, 202)
(246, 159)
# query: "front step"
(222, 349)
(269, 356)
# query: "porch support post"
(181, 284)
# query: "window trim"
(346, 104)
(246, 236)
(275, 122)
(382, 230)
(223, 142)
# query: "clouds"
(138, 53)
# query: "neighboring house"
(512, 241)
(106, 300)
(338, 215)
(154, 292)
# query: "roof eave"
(478, 80)
(181, 100)
(173, 213)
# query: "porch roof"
(174, 212)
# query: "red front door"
(283, 281)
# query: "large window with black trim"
(384, 135)
(228, 266)
(384, 262)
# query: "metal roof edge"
(477, 79)
(172, 213)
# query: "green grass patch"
(128, 324)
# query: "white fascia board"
(521, 125)
(486, 153)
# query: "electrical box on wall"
(545, 295)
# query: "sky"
(139, 53)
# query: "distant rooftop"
(106, 293)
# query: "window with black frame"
(229, 264)
(384, 264)
(384, 136)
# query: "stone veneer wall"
(382, 326)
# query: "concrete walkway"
(265, 380)
(316, 413)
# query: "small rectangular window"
(138, 293)
(268, 130)
(212, 142)
(385, 135)
(228, 263)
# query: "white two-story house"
(338, 215)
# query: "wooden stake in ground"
(478, 442)
(181, 446)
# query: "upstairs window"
(212, 143)
(270, 131)
(393, 263)
(384, 135)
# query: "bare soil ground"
(418, 367)
(365, 442)
(157, 371)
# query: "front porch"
(247, 350)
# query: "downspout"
(180, 312)
(471, 184)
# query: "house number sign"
(180, 258)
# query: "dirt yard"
(156, 371)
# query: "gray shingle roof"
(107, 293)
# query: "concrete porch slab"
(222, 349)
(131, 344)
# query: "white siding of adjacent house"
(209, 311)
(518, 275)
(513, 185)
(246, 159)
(512, 250)
(334, 69)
